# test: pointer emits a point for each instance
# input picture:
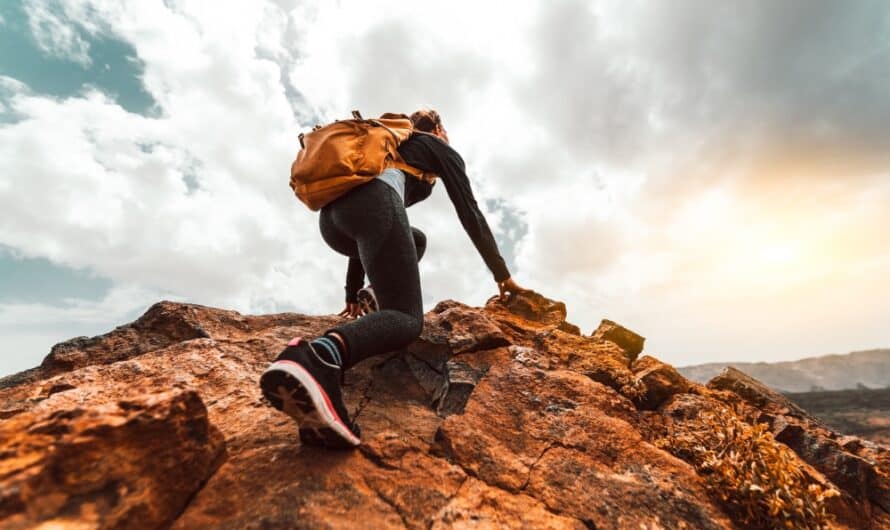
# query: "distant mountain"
(869, 368)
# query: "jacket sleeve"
(355, 277)
(429, 153)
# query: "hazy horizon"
(806, 358)
(712, 176)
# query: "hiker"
(369, 224)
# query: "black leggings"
(369, 222)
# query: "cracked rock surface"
(502, 416)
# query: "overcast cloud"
(712, 175)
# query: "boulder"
(133, 463)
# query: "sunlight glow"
(777, 254)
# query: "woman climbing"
(369, 224)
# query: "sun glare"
(776, 254)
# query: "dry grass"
(757, 479)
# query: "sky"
(712, 175)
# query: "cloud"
(118, 300)
(195, 201)
(713, 175)
(56, 34)
(723, 134)
(31, 329)
(748, 83)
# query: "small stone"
(659, 381)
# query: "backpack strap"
(358, 116)
(392, 132)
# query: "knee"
(416, 326)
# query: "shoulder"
(428, 140)
(436, 145)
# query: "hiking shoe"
(307, 388)
(367, 300)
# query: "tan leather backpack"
(347, 153)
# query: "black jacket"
(429, 153)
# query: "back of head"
(426, 120)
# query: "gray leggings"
(369, 222)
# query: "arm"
(355, 277)
(432, 154)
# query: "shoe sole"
(292, 390)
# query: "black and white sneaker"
(367, 300)
(307, 388)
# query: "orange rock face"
(133, 463)
(503, 416)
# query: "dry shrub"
(757, 479)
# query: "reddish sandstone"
(503, 416)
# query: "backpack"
(347, 153)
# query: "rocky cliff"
(504, 416)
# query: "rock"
(857, 472)
(532, 307)
(682, 413)
(851, 473)
(755, 393)
(462, 329)
(528, 313)
(571, 443)
(860, 478)
(448, 382)
(460, 381)
(603, 362)
(478, 505)
(164, 323)
(131, 464)
(658, 381)
(497, 416)
(570, 328)
(626, 339)
(624, 495)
